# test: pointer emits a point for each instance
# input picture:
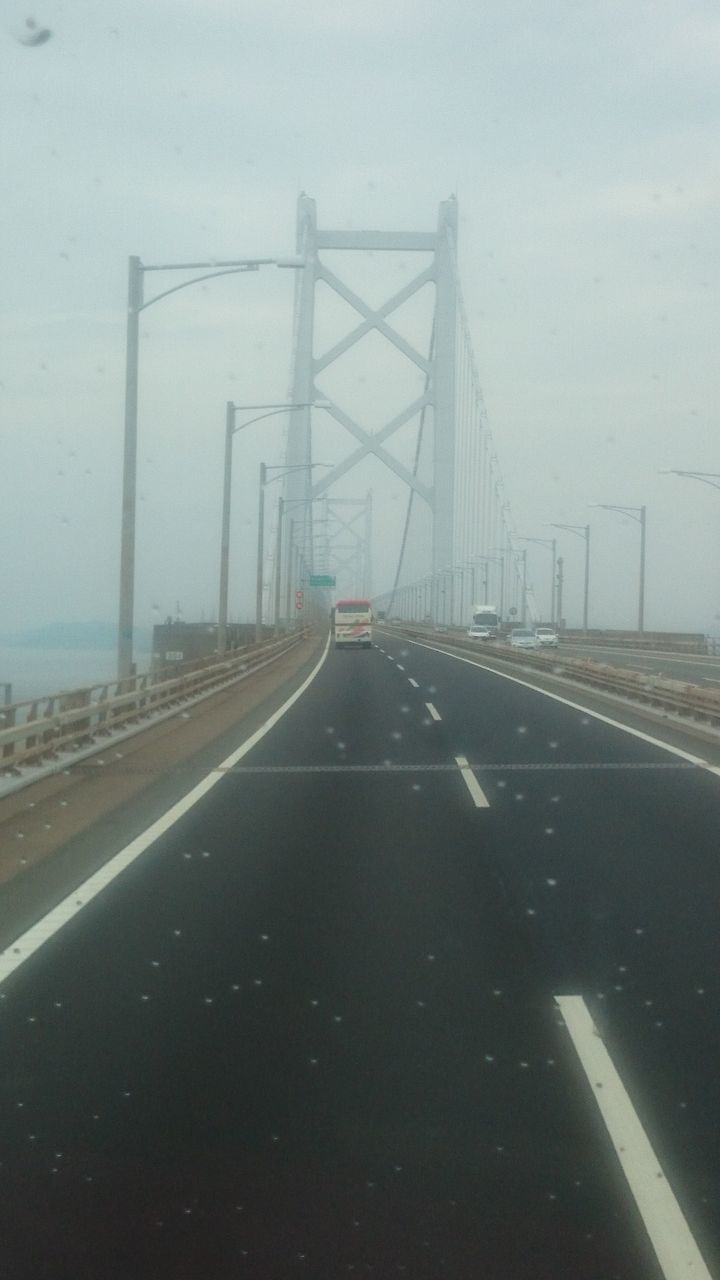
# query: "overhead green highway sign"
(321, 580)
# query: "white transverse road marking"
(480, 799)
(676, 1250)
(414, 683)
(29, 942)
(433, 711)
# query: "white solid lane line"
(433, 711)
(480, 799)
(414, 683)
(670, 1235)
(29, 942)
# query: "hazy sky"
(581, 140)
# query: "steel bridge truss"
(438, 366)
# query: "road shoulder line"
(20, 950)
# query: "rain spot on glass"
(501, 783)
(396, 735)
(341, 746)
(329, 729)
(555, 799)
(551, 882)
(549, 831)
(519, 795)
(553, 745)
(521, 729)
(404, 710)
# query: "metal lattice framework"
(437, 366)
(464, 494)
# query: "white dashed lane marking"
(414, 683)
(400, 667)
(433, 711)
(479, 798)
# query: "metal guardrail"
(692, 701)
(38, 729)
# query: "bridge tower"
(437, 366)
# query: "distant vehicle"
(486, 615)
(547, 637)
(478, 633)
(522, 638)
(440, 627)
(353, 624)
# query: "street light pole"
(225, 528)
(231, 430)
(127, 526)
(136, 304)
(278, 555)
(259, 571)
(639, 514)
(261, 532)
(552, 544)
(582, 531)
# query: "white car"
(478, 633)
(521, 638)
(546, 637)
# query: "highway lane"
(312, 1031)
(615, 872)
(695, 669)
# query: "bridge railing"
(38, 729)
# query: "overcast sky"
(581, 140)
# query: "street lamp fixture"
(705, 477)
(137, 303)
(640, 515)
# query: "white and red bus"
(352, 621)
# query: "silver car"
(522, 638)
(546, 637)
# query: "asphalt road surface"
(313, 1030)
